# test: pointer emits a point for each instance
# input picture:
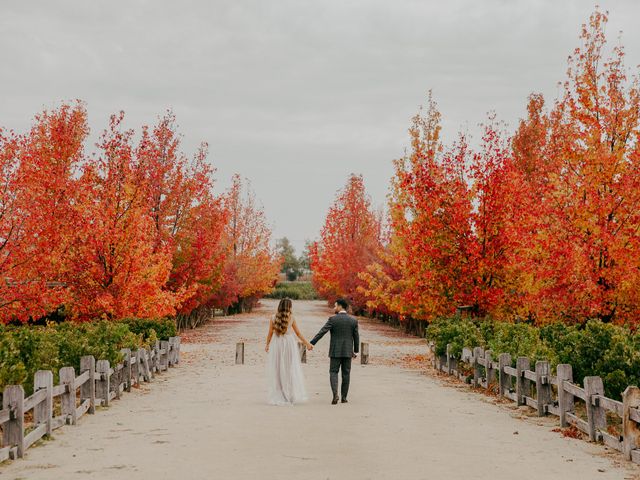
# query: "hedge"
(294, 291)
(27, 348)
(595, 348)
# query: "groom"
(343, 347)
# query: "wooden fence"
(52, 406)
(616, 424)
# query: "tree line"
(540, 224)
(134, 229)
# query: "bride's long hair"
(283, 315)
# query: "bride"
(284, 370)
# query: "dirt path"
(207, 419)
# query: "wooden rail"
(97, 384)
(533, 388)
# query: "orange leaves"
(252, 267)
(349, 241)
(133, 230)
(544, 225)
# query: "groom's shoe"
(344, 400)
(334, 401)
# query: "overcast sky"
(294, 95)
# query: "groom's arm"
(321, 333)
(356, 338)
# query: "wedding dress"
(285, 380)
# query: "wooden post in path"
(596, 415)
(68, 398)
(88, 388)
(364, 353)
(102, 381)
(630, 429)
(504, 379)
(43, 412)
(565, 399)
(13, 430)
(543, 387)
(302, 348)
(240, 353)
(523, 385)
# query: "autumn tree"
(189, 220)
(251, 268)
(115, 268)
(580, 162)
(38, 218)
(348, 242)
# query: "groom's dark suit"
(344, 342)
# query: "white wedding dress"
(285, 380)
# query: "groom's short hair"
(343, 303)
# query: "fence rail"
(551, 394)
(98, 383)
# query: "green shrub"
(294, 291)
(457, 331)
(26, 349)
(595, 349)
(152, 330)
(520, 340)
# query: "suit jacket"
(345, 339)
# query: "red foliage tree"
(349, 241)
(39, 220)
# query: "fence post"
(478, 353)
(170, 352)
(433, 354)
(240, 353)
(144, 364)
(364, 353)
(156, 360)
(630, 429)
(116, 380)
(543, 387)
(126, 368)
(302, 349)
(88, 389)
(178, 349)
(164, 357)
(102, 381)
(68, 398)
(596, 416)
(43, 412)
(523, 385)
(449, 364)
(504, 379)
(173, 341)
(13, 430)
(565, 399)
(491, 372)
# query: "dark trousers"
(335, 365)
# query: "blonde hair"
(281, 321)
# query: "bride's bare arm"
(269, 335)
(294, 325)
